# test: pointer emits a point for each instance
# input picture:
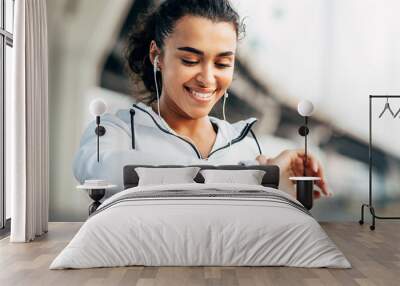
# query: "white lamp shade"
(305, 108)
(97, 107)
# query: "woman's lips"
(200, 96)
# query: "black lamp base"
(304, 193)
(96, 195)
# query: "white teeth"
(201, 95)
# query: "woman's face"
(197, 65)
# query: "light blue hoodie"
(155, 144)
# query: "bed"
(201, 224)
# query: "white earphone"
(223, 112)
(155, 64)
(155, 69)
(223, 105)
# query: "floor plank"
(374, 255)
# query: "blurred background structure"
(334, 53)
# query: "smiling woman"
(195, 42)
(183, 52)
(195, 76)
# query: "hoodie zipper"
(166, 131)
(242, 135)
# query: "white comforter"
(191, 230)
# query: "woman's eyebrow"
(200, 53)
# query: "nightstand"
(96, 193)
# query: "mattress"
(201, 225)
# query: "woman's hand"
(291, 164)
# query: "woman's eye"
(223, 65)
(190, 63)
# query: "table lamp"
(97, 108)
(304, 185)
(305, 108)
(96, 188)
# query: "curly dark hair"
(157, 24)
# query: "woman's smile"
(201, 96)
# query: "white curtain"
(28, 123)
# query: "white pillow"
(163, 176)
(248, 177)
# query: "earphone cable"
(158, 96)
(223, 113)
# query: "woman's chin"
(197, 115)
(198, 112)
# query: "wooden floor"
(374, 255)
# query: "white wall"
(80, 35)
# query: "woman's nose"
(207, 76)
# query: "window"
(6, 45)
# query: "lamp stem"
(98, 136)
(305, 146)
